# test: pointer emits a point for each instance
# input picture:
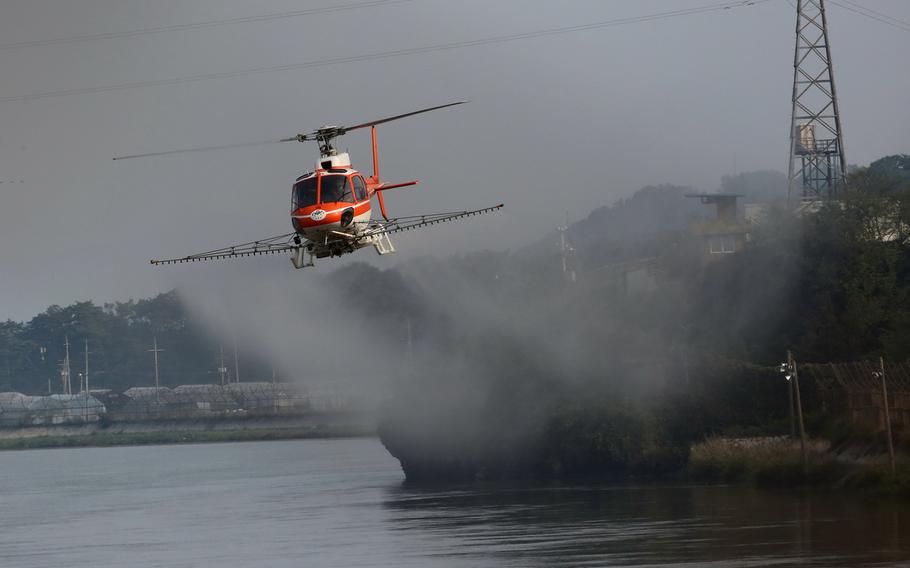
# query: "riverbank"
(197, 431)
(104, 439)
(778, 463)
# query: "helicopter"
(331, 206)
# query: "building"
(64, 409)
(726, 232)
(14, 408)
(146, 402)
(265, 397)
(204, 398)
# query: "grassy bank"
(102, 439)
(777, 462)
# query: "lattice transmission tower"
(817, 163)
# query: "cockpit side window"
(360, 189)
(335, 189)
(304, 193)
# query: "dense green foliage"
(832, 286)
(119, 336)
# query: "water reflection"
(650, 525)
(341, 503)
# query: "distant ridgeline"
(504, 367)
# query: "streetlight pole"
(788, 369)
(799, 414)
(881, 363)
(42, 350)
(790, 406)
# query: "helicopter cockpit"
(306, 192)
(335, 189)
(314, 189)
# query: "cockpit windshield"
(304, 193)
(336, 188)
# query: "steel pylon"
(817, 164)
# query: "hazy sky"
(556, 123)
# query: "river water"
(344, 503)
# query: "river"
(344, 503)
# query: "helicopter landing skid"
(383, 244)
(301, 258)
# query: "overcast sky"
(557, 123)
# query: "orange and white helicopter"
(331, 209)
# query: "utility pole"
(156, 351)
(86, 365)
(881, 364)
(685, 355)
(236, 364)
(222, 369)
(684, 329)
(67, 389)
(409, 354)
(566, 249)
(817, 168)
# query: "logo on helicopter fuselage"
(317, 215)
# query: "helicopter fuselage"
(331, 202)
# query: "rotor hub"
(325, 137)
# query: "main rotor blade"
(207, 148)
(298, 138)
(391, 118)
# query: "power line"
(199, 25)
(883, 15)
(388, 54)
(877, 16)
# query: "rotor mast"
(325, 138)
